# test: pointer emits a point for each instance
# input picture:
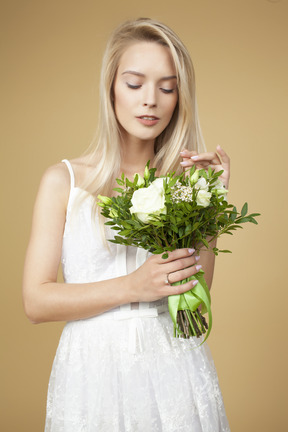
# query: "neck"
(135, 155)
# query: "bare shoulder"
(57, 176)
(55, 184)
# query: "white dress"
(123, 371)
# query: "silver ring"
(167, 280)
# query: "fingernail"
(198, 267)
(194, 157)
(191, 250)
(194, 282)
(184, 163)
(197, 257)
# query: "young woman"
(118, 367)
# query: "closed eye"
(131, 86)
(167, 90)
(137, 86)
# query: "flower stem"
(190, 323)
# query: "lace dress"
(123, 371)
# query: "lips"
(148, 120)
(146, 117)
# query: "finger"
(188, 153)
(199, 164)
(225, 158)
(174, 255)
(179, 265)
(180, 289)
(210, 157)
(183, 274)
(186, 158)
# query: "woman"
(118, 366)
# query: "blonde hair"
(183, 130)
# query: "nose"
(149, 97)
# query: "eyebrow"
(130, 72)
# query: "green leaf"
(244, 209)
(218, 174)
(233, 214)
(124, 232)
(205, 243)
(242, 220)
(255, 214)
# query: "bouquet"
(161, 214)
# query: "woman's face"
(145, 91)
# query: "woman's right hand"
(153, 280)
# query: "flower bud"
(113, 213)
(146, 173)
(220, 191)
(194, 177)
(140, 181)
(105, 200)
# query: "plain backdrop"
(50, 61)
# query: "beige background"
(51, 53)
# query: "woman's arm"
(45, 299)
(219, 162)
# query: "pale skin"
(44, 298)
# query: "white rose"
(202, 184)
(150, 200)
(203, 198)
(159, 183)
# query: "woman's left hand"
(217, 161)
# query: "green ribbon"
(191, 300)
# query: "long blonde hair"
(183, 130)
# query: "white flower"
(203, 198)
(159, 183)
(181, 193)
(150, 200)
(219, 188)
(202, 184)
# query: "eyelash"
(135, 87)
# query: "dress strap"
(70, 169)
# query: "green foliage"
(185, 223)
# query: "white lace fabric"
(123, 371)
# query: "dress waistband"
(136, 329)
(135, 313)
